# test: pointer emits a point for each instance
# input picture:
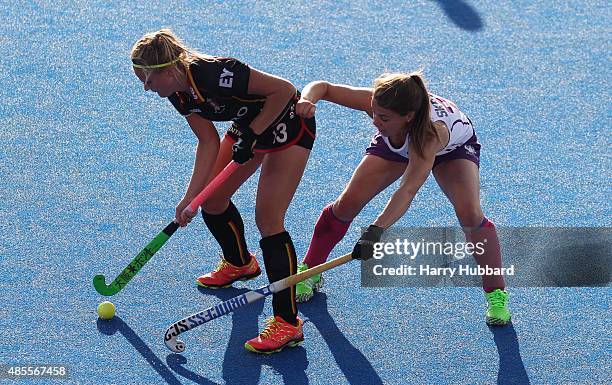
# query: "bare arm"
(357, 98)
(206, 153)
(205, 157)
(416, 174)
(277, 91)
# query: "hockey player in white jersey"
(418, 133)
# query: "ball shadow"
(116, 324)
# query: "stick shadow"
(355, 366)
(462, 14)
(116, 324)
(176, 362)
(511, 367)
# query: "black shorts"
(286, 131)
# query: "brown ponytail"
(404, 93)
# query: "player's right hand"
(305, 108)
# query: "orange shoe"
(226, 274)
(276, 336)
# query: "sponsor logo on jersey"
(194, 95)
(292, 112)
(234, 130)
(226, 79)
(215, 105)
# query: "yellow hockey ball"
(106, 310)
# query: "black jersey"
(219, 91)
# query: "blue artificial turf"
(92, 168)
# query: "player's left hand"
(305, 108)
(364, 249)
(242, 150)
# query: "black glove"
(242, 150)
(364, 249)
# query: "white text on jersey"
(226, 79)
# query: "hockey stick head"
(101, 287)
(171, 342)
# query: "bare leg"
(459, 180)
(373, 175)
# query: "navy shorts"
(469, 150)
(288, 130)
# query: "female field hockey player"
(266, 132)
(418, 133)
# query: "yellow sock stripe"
(238, 239)
(291, 271)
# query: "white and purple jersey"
(442, 110)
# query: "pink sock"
(328, 231)
(491, 256)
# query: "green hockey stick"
(99, 281)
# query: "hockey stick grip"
(212, 186)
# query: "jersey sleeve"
(224, 77)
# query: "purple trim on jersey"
(469, 150)
(379, 148)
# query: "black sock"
(228, 230)
(280, 261)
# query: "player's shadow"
(239, 365)
(116, 324)
(511, 367)
(355, 366)
(462, 14)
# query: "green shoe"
(304, 290)
(497, 311)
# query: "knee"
(469, 215)
(346, 208)
(269, 224)
(215, 206)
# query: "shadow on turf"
(511, 367)
(462, 14)
(117, 324)
(240, 366)
(355, 366)
(175, 362)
